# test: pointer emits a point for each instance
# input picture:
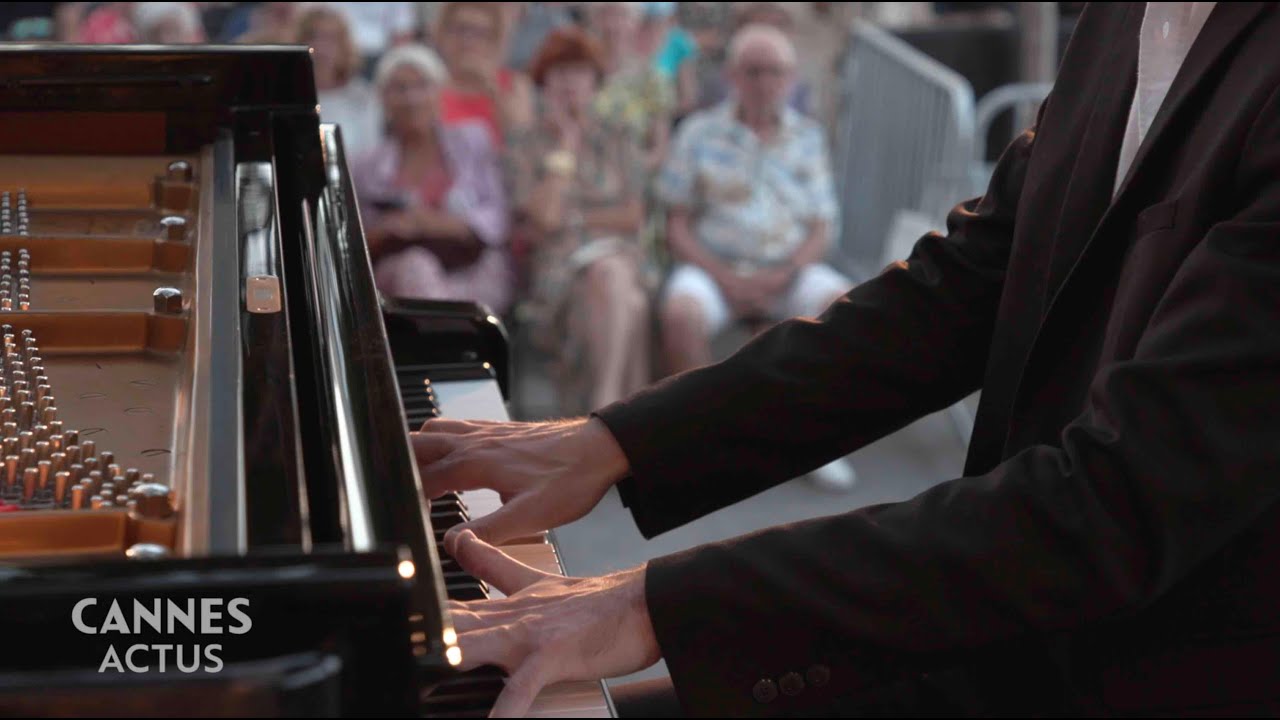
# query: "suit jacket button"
(765, 691)
(791, 684)
(818, 675)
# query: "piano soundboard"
(100, 355)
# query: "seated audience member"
(750, 211)
(578, 187)
(470, 36)
(168, 23)
(672, 50)
(431, 195)
(268, 23)
(345, 97)
(379, 26)
(531, 22)
(634, 95)
(104, 24)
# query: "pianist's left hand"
(549, 628)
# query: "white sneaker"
(837, 476)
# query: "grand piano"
(208, 500)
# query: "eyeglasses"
(755, 72)
(471, 31)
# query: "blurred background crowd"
(636, 187)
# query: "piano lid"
(161, 99)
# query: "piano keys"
(461, 380)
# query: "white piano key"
(482, 400)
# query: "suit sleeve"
(1174, 455)
(911, 341)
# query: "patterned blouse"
(609, 174)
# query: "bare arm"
(814, 248)
(516, 105)
(545, 204)
(685, 248)
(659, 140)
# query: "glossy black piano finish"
(316, 511)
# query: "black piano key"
(465, 591)
(469, 694)
(444, 523)
(446, 505)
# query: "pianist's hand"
(548, 473)
(549, 628)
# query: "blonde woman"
(345, 97)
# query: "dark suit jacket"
(1114, 545)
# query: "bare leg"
(413, 273)
(615, 309)
(685, 341)
(639, 370)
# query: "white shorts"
(812, 290)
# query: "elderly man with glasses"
(750, 210)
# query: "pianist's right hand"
(548, 473)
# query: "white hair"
(149, 15)
(760, 34)
(419, 57)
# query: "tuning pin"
(72, 451)
(42, 450)
(72, 437)
(55, 440)
(179, 170)
(154, 501)
(11, 471)
(174, 228)
(89, 448)
(61, 480)
(107, 457)
(26, 440)
(44, 470)
(27, 457)
(30, 477)
(77, 496)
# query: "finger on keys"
(501, 645)
(456, 427)
(431, 447)
(516, 517)
(522, 688)
(490, 564)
